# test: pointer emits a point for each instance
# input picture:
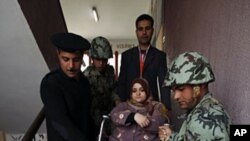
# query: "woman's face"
(138, 93)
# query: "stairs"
(18, 137)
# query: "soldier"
(189, 76)
(102, 79)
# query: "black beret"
(70, 42)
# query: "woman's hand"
(141, 120)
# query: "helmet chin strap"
(197, 91)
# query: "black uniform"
(67, 103)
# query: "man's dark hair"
(144, 17)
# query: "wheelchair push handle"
(104, 118)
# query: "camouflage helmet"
(189, 68)
(101, 48)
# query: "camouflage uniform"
(103, 91)
(208, 121)
(103, 83)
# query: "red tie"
(142, 60)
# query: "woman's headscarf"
(144, 83)
(147, 104)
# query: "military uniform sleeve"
(207, 127)
(55, 111)
(114, 83)
(203, 125)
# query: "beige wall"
(220, 30)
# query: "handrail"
(30, 133)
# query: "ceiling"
(116, 17)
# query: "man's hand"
(164, 132)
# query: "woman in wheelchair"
(138, 119)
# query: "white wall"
(22, 68)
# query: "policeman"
(189, 76)
(65, 92)
(102, 79)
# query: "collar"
(206, 98)
(146, 49)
